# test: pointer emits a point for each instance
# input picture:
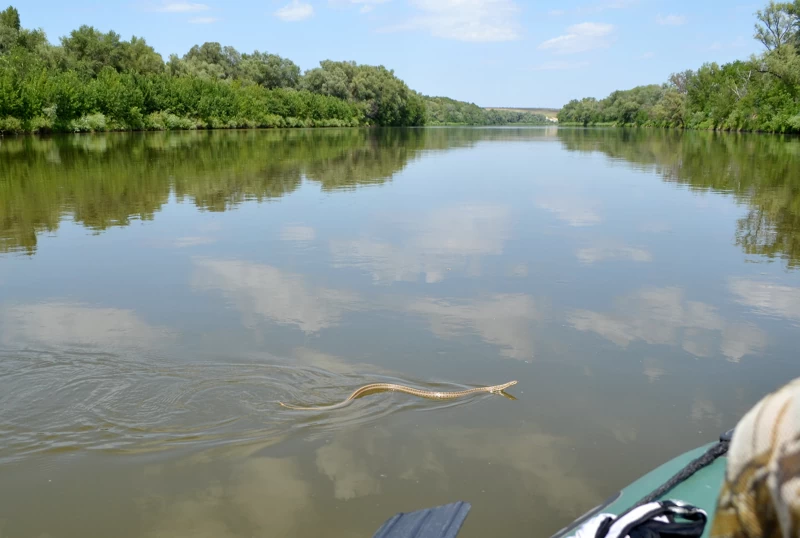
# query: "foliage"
(96, 81)
(105, 181)
(95, 180)
(385, 98)
(758, 94)
(758, 171)
(445, 111)
(102, 181)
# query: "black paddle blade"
(440, 522)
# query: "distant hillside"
(546, 112)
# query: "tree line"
(759, 172)
(45, 178)
(758, 94)
(102, 182)
(95, 81)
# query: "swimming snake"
(387, 387)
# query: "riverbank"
(97, 82)
(759, 94)
(163, 121)
(99, 123)
(792, 133)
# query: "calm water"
(161, 293)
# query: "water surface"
(161, 293)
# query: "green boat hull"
(701, 489)
(698, 476)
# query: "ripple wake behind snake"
(69, 401)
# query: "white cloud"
(193, 241)
(606, 253)
(251, 483)
(502, 320)
(560, 66)
(368, 461)
(299, 234)
(576, 212)
(263, 291)
(671, 20)
(295, 11)
(605, 6)
(435, 245)
(652, 370)
(662, 316)
(766, 298)
(351, 466)
(203, 20)
(534, 458)
(66, 325)
(338, 365)
(182, 7)
(581, 37)
(556, 12)
(465, 20)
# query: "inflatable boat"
(694, 478)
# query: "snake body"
(392, 387)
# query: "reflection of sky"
(463, 241)
(263, 291)
(503, 320)
(285, 496)
(267, 494)
(67, 325)
(768, 298)
(597, 254)
(576, 211)
(431, 245)
(662, 316)
(605, 279)
(298, 233)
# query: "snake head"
(501, 388)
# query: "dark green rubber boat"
(694, 477)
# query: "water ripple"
(69, 402)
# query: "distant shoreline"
(544, 111)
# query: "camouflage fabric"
(760, 496)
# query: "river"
(161, 293)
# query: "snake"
(392, 387)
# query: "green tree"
(139, 57)
(10, 18)
(776, 25)
(269, 70)
(96, 81)
(89, 50)
(9, 28)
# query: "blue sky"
(490, 52)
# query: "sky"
(513, 53)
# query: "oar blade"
(439, 522)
